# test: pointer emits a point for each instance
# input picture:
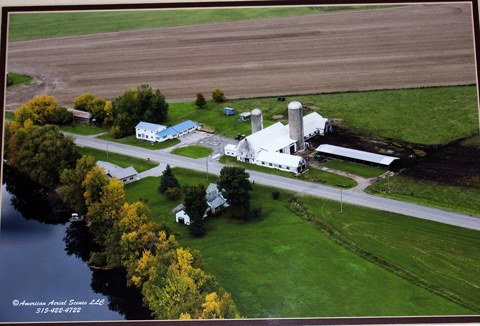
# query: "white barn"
(273, 146)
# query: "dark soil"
(456, 163)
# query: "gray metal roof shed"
(355, 154)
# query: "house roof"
(356, 154)
(177, 129)
(217, 202)
(124, 173)
(149, 126)
(279, 158)
(184, 126)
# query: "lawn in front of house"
(133, 141)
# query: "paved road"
(346, 196)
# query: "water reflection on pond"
(43, 265)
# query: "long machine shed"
(355, 155)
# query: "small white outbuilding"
(182, 218)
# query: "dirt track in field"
(412, 46)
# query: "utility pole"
(206, 162)
(341, 200)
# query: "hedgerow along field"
(30, 26)
(284, 266)
(426, 116)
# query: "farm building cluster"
(275, 145)
(158, 133)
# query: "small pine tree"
(200, 102)
(168, 180)
(218, 96)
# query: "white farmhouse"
(147, 130)
(158, 133)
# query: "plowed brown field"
(410, 46)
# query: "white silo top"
(295, 105)
(256, 112)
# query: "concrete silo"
(257, 120)
(295, 124)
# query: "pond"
(42, 274)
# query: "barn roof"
(279, 158)
(124, 173)
(356, 154)
(271, 138)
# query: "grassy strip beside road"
(133, 141)
(193, 151)
(361, 170)
(312, 175)
(118, 159)
(285, 267)
(429, 193)
(442, 258)
(28, 26)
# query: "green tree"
(168, 180)
(235, 186)
(200, 102)
(94, 181)
(41, 153)
(218, 95)
(103, 215)
(195, 207)
(71, 181)
(136, 105)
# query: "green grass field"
(443, 256)
(284, 266)
(455, 198)
(428, 116)
(118, 159)
(28, 26)
(361, 170)
(82, 129)
(193, 151)
(17, 79)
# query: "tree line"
(171, 278)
